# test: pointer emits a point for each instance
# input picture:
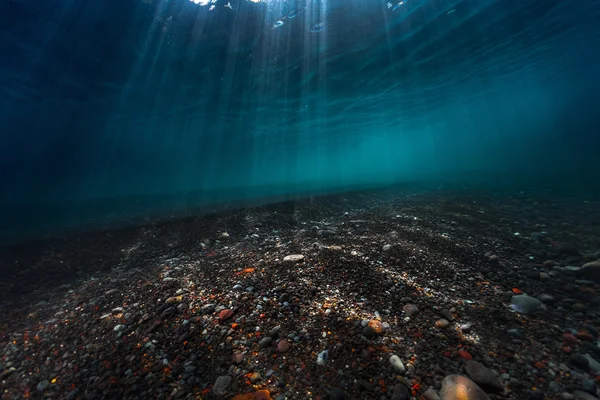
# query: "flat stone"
(283, 346)
(293, 258)
(458, 387)
(581, 395)
(579, 361)
(431, 394)
(400, 392)
(591, 271)
(524, 304)
(225, 314)
(410, 309)
(265, 342)
(483, 376)
(221, 385)
(397, 364)
(442, 323)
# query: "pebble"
(322, 358)
(265, 342)
(221, 385)
(225, 315)
(400, 392)
(466, 327)
(442, 323)
(546, 298)
(524, 304)
(283, 346)
(589, 385)
(581, 395)
(457, 387)
(410, 309)
(387, 247)
(397, 364)
(337, 394)
(293, 258)
(591, 271)
(483, 376)
(208, 309)
(579, 361)
(431, 394)
(43, 385)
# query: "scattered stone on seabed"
(283, 346)
(221, 385)
(431, 394)
(579, 361)
(400, 392)
(591, 271)
(442, 323)
(397, 364)
(43, 385)
(546, 298)
(337, 394)
(524, 304)
(581, 395)
(410, 309)
(293, 258)
(483, 376)
(387, 247)
(458, 387)
(322, 358)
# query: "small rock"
(322, 358)
(588, 385)
(293, 258)
(410, 309)
(431, 394)
(387, 247)
(255, 377)
(174, 299)
(283, 346)
(579, 361)
(337, 394)
(221, 385)
(400, 392)
(546, 298)
(208, 309)
(483, 376)
(580, 395)
(397, 364)
(442, 323)
(225, 315)
(457, 387)
(591, 271)
(265, 342)
(524, 304)
(466, 327)
(43, 385)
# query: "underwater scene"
(300, 199)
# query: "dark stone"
(588, 385)
(579, 361)
(400, 392)
(337, 394)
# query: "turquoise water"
(107, 103)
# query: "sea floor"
(366, 295)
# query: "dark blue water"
(131, 107)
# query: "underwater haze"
(180, 103)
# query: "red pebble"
(567, 349)
(567, 337)
(464, 354)
(447, 354)
(225, 314)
